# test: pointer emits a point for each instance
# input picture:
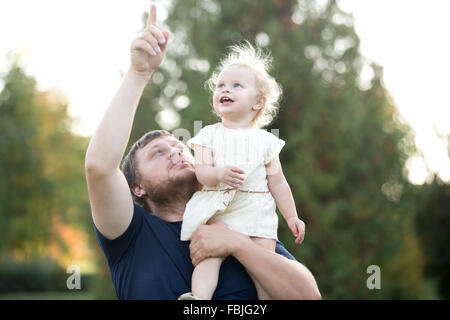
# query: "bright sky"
(82, 46)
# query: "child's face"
(239, 84)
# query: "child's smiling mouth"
(226, 101)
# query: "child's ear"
(260, 104)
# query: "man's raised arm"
(110, 198)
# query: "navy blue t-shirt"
(149, 261)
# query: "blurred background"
(365, 113)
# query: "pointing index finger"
(151, 20)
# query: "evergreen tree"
(433, 227)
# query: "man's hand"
(232, 176)
(213, 240)
(149, 49)
(297, 227)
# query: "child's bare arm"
(281, 192)
(209, 175)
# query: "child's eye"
(235, 85)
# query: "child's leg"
(205, 278)
(270, 245)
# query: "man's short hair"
(129, 164)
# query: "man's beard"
(165, 193)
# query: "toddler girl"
(237, 163)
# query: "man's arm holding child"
(293, 281)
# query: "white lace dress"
(250, 213)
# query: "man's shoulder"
(115, 249)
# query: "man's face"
(163, 163)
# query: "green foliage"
(21, 168)
(42, 170)
(41, 164)
(31, 276)
(39, 275)
(433, 227)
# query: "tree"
(433, 227)
(41, 165)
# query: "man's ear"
(138, 191)
(260, 103)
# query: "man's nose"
(175, 155)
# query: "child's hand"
(297, 227)
(231, 175)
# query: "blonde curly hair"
(259, 63)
